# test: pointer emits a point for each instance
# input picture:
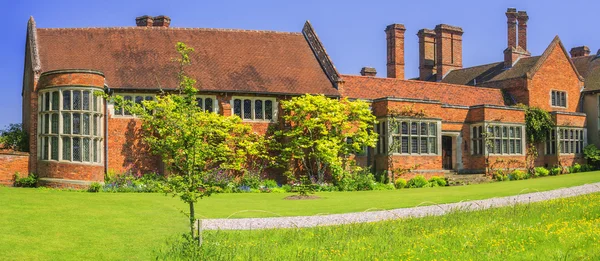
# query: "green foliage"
(384, 186)
(322, 132)
(592, 154)
(26, 182)
(499, 175)
(127, 182)
(251, 180)
(417, 182)
(541, 172)
(555, 171)
(438, 181)
(575, 168)
(356, 178)
(95, 187)
(587, 167)
(538, 123)
(269, 183)
(400, 183)
(518, 175)
(13, 137)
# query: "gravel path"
(373, 216)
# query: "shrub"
(384, 186)
(14, 138)
(518, 175)
(555, 171)
(438, 181)
(251, 180)
(278, 190)
(417, 182)
(500, 176)
(400, 183)
(575, 168)
(26, 182)
(95, 187)
(128, 182)
(365, 181)
(287, 188)
(541, 172)
(269, 183)
(586, 167)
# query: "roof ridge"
(170, 28)
(424, 82)
(555, 42)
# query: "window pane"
(404, 127)
(45, 149)
(128, 99)
(66, 148)
(149, 98)
(199, 103)
(95, 151)
(76, 100)
(55, 123)
(397, 144)
(55, 101)
(76, 149)
(404, 144)
(247, 109)
(208, 103)
(86, 100)
(95, 102)
(563, 99)
(480, 145)
(258, 113)
(414, 146)
(413, 128)
(496, 131)
(518, 145)
(504, 132)
(553, 98)
(237, 107)
(95, 124)
(268, 110)
(54, 154)
(423, 145)
(511, 132)
(46, 123)
(572, 136)
(66, 100)
(139, 99)
(480, 131)
(572, 150)
(497, 146)
(518, 132)
(512, 146)
(504, 146)
(47, 101)
(86, 149)
(76, 123)
(66, 123)
(86, 124)
(423, 129)
(474, 134)
(432, 142)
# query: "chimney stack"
(144, 21)
(162, 21)
(515, 50)
(426, 54)
(580, 51)
(368, 71)
(448, 45)
(522, 17)
(395, 50)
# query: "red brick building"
(439, 118)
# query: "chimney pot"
(144, 21)
(368, 71)
(580, 51)
(162, 21)
(448, 45)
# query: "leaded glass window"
(411, 136)
(253, 108)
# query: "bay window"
(497, 139)
(408, 136)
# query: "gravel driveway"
(373, 216)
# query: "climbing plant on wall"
(538, 124)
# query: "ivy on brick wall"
(538, 124)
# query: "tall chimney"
(580, 51)
(426, 54)
(144, 21)
(448, 45)
(511, 20)
(162, 21)
(522, 17)
(395, 50)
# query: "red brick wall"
(555, 73)
(70, 77)
(75, 171)
(569, 120)
(10, 163)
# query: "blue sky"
(352, 31)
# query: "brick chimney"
(368, 71)
(522, 17)
(515, 50)
(580, 51)
(448, 48)
(162, 21)
(395, 50)
(426, 54)
(144, 21)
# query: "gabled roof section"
(589, 68)
(370, 88)
(224, 60)
(556, 42)
(315, 44)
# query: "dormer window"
(559, 99)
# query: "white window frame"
(575, 143)
(386, 136)
(519, 138)
(557, 98)
(95, 112)
(253, 100)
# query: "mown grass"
(42, 224)
(563, 229)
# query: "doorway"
(446, 152)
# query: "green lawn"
(48, 224)
(563, 229)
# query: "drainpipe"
(107, 91)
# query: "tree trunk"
(192, 219)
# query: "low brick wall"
(12, 162)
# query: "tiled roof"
(589, 68)
(224, 60)
(363, 87)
